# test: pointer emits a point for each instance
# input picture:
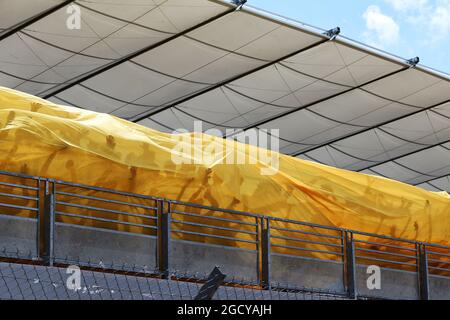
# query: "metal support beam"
(371, 128)
(291, 111)
(48, 220)
(163, 240)
(265, 253)
(422, 273)
(225, 82)
(431, 146)
(22, 25)
(349, 265)
(433, 179)
(130, 56)
(209, 289)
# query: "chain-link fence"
(22, 278)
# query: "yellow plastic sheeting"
(40, 138)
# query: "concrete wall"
(439, 288)
(104, 247)
(308, 273)
(201, 258)
(394, 284)
(18, 234)
(72, 243)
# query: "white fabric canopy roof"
(168, 63)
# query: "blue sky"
(407, 28)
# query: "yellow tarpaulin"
(40, 138)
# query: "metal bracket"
(208, 290)
(239, 4)
(333, 33)
(413, 62)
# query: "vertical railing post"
(422, 271)
(163, 242)
(265, 253)
(48, 228)
(39, 206)
(349, 264)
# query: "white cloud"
(440, 20)
(382, 29)
(430, 16)
(405, 5)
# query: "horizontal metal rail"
(20, 175)
(10, 195)
(13, 206)
(20, 186)
(384, 237)
(207, 235)
(308, 224)
(199, 206)
(386, 261)
(434, 252)
(128, 233)
(307, 232)
(438, 254)
(438, 268)
(105, 200)
(307, 249)
(387, 253)
(83, 186)
(385, 245)
(80, 206)
(307, 241)
(439, 261)
(196, 215)
(194, 224)
(103, 220)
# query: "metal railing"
(52, 203)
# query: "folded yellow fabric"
(40, 138)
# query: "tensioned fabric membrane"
(168, 63)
